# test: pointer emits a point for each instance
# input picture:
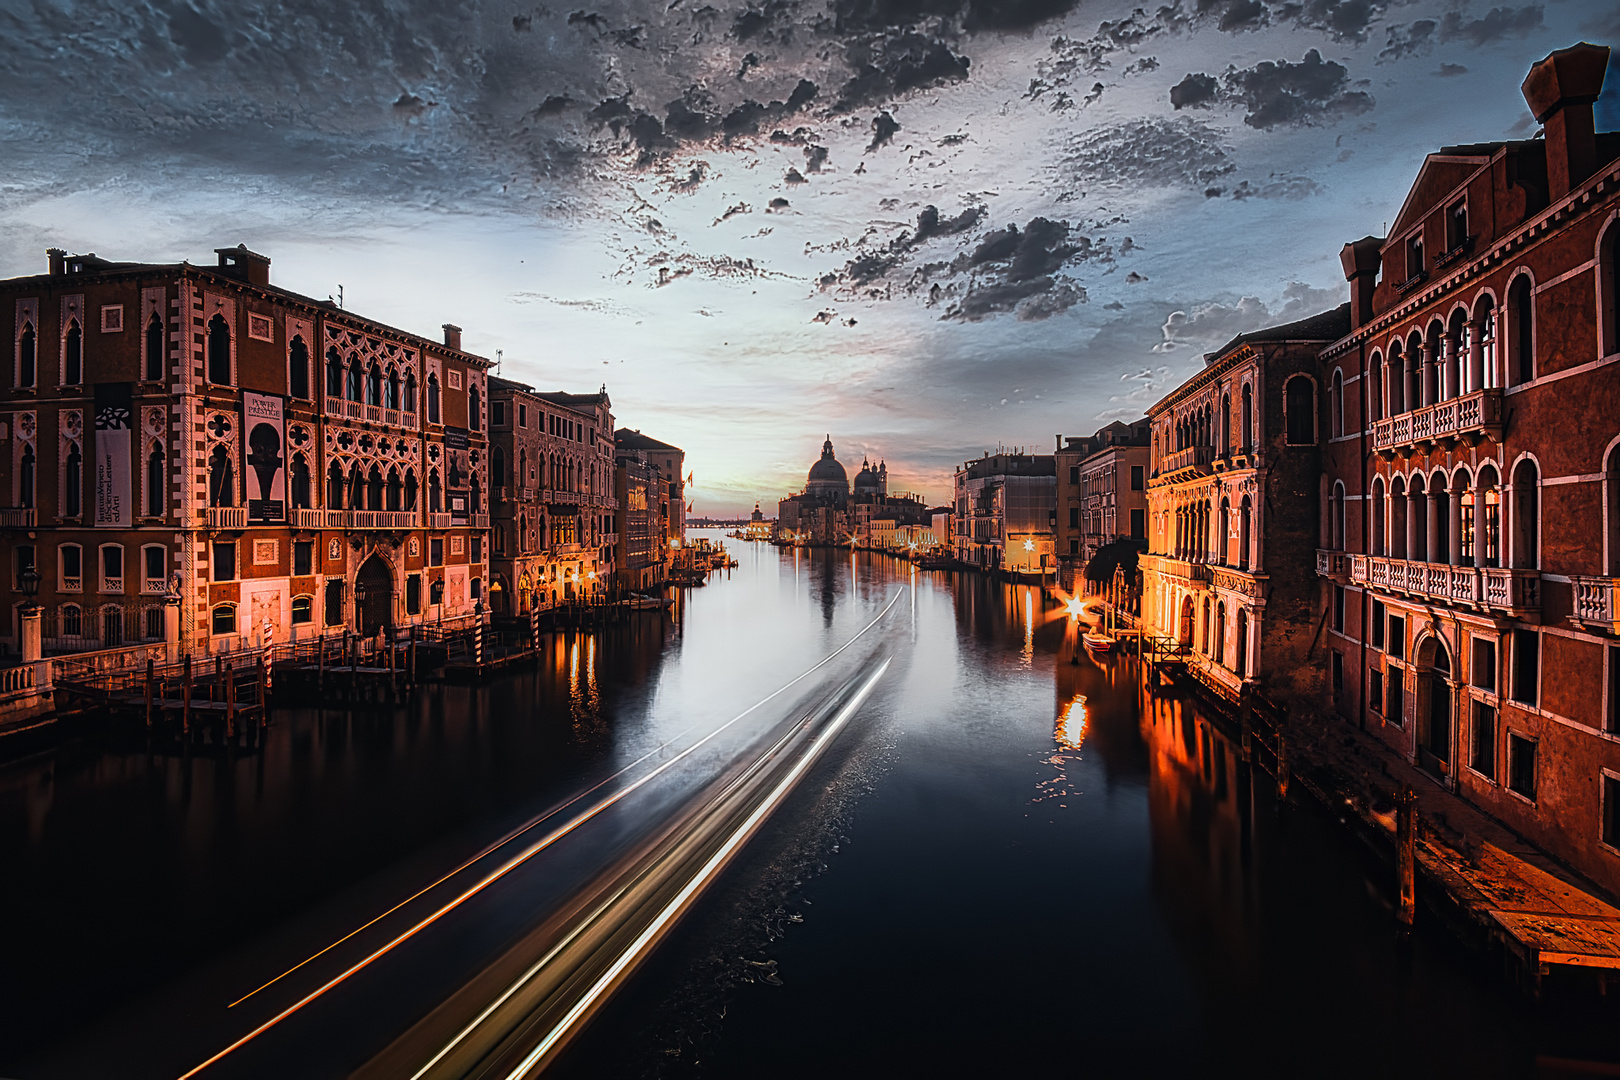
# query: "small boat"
(1098, 643)
(641, 602)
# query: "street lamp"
(28, 583)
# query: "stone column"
(1479, 525)
(1424, 355)
(1454, 526)
(1476, 356)
(1410, 388)
(1449, 347)
(31, 646)
(171, 630)
(1431, 522)
(1411, 525)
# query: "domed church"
(828, 481)
(828, 511)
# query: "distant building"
(671, 462)
(758, 528)
(1006, 512)
(642, 544)
(1102, 494)
(829, 512)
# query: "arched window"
(1336, 517)
(1417, 544)
(374, 489)
(1397, 518)
(497, 467)
(1220, 632)
(224, 619)
(154, 348)
(357, 487)
(221, 481)
(1375, 392)
(299, 475)
(73, 486)
(473, 421)
(1485, 329)
(435, 493)
(433, 399)
(1377, 542)
(334, 487)
(1244, 525)
(477, 495)
(1611, 510)
(396, 491)
(1462, 489)
(391, 395)
(27, 356)
(303, 609)
(298, 368)
(410, 489)
(374, 386)
(1521, 332)
(1336, 405)
(1488, 506)
(1299, 401)
(219, 350)
(1526, 515)
(1608, 273)
(1242, 664)
(73, 355)
(72, 620)
(1247, 421)
(334, 375)
(1396, 375)
(156, 477)
(410, 391)
(1226, 424)
(354, 386)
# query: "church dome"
(867, 479)
(827, 470)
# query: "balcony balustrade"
(1191, 574)
(480, 521)
(354, 410)
(1513, 592)
(1595, 603)
(19, 517)
(227, 517)
(438, 521)
(1333, 564)
(1194, 458)
(391, 416)
(382, 519)
(1469, 416)
(374, 413)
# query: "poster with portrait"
(264, 452)
(114, 433)
(458, 474)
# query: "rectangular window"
(303, 557)
(436, 551)
(1137, 480)
(156, 559)
(72, 567)
(1611, 810)
(1484, 756)
(112, 569)
(1522, 765)
(1338, 608)
(332, 602)
(303, 609)
(1138, 524)
(1395, 711)
(1526, 666)
(224, 557)
(1377, 624)
(497, 414)
(1612, 721)
(1074, 517)
(523, 415)
(1484, 665)
(1456, 226)
(1074, 474)
(1074, 547)
(1397, 637)
(224, 621)
(413, 594)
(477, 550)
(1375, 691)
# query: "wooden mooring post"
(1406, 856)
(230, 703)
(149, 667)
(185, 698)
(264, 691)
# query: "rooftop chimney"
(452, 336)
(1361, 260)
(244, 265)
(1560, 91)
(58, 259)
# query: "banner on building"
(264, 438)
(114, 432)
(458, 474)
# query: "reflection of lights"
(1076, 607)
(1029, 545)
(1071, 724)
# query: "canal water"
(1011, 861)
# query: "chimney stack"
(1361, 260)
(1560, 91)
(452, 336)
(58, 259)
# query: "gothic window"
(1521, 338)
(299, 475)
(433, 399)
(435, 493)
(473, 420)
(477, 495)
(1526, 514)
(410, 391)
(497, 467)
(219, 352)
(1299, 400)
(374, 384)
(221, 482)
(334, 375)
(356, 497)
(353, 387)
(27, 356)
(410, 489)
(154, 348)
(334, 487)
(396, 491)
(391, 391)
(26, 485)
(298, 368)
(73, 488)
(374, 489)
(73, 355)
(1248, 418)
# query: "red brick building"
(280, 466)
(1471, 528)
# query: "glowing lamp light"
(1075, 607)
(1029, 545)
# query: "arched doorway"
(1434, 704)
(374, 596)
(1186, 636)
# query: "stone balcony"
(1596, 603)
(226, 517)
(1499, 589)
(1194, 575)
(19, 517)
(1466, 418)
(1186, 464)
(1334, 565)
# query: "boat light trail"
(526, 855)
(712, 867)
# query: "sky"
(926, 228)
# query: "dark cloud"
(1412, 39)
(1448, 71)
(888, 67)
(814, 158)
(1154, 152)
(1280, 93)
(1278, 186)
(884, 128)
(1209, 324)
(1496, 25)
